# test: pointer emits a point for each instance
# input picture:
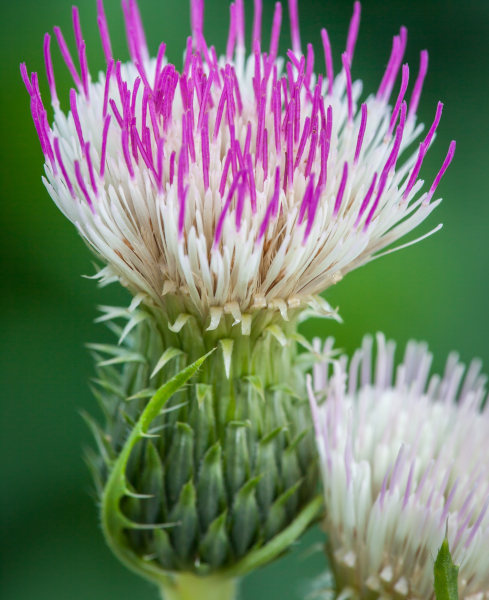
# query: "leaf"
(446, 574)
(114, 523)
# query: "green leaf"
(114, 523)
(446, 574)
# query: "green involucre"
(197, 472)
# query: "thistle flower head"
(234, 183)
(404, 462)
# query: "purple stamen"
(312, 152)
(240, 204)
(232, 32)
(306, 199)
(328, 59)
(82, 186)
(444, 167)
(277, 109)
(136, 40)
(311, 213)
(239, 155)
(49, 70)
(76, 26)
(159, 61)
(259, 131)
(448, 503)
(84, 69)
(341, 190)
(324, 149)
(380, 191)
(116, 113)
(196, 16)
(240, 24)
(251, 182)
(366, 200)
(390, 164)
(272, 208)
(80, 46)
(361, 133)
(265, 155)
(431, 132)
(190, 137)
(383, 490)
(353, 32)
(297, 114)
(283, 82)
(104, 145)
(90, 169)
(181, 213)
(289, 164)
(76, 118)
(160, 155)
(277, 23)
(220, 110)
(224, 176)
(35, 109)
(476, 525)
(309, 68)
(400, 98)
(204, 136)
(120, 83)
(65, 53)
(237, 93)
(25, 78)
(220, 223)
(409, 484)
(205, 99)
(396, 63)
(418, 86)
(125, 150)
(142, 75)
(172, 166)
(346, 67)
(188, 57)
(104, 31)
(108, 76)
(390, 72)
(296, 62)
(134, 95)
(246, 148)
(62, 167)
(294, 27)
(302, 143)
(415, 171)
(140, 37)
(257, 22)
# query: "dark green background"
(437, 290)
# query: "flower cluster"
(404, 463)
(234, 183)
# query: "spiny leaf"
(113, 521)
(446, 574)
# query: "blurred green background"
(51, 544)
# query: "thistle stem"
(192, 587)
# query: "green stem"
(187, 586)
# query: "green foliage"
(446, 574)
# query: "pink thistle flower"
(239, 182)
(404, 463)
